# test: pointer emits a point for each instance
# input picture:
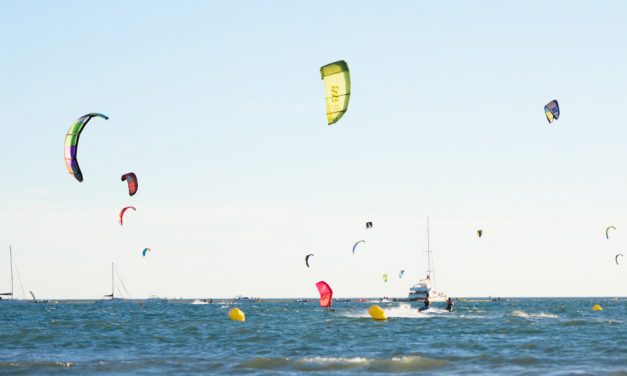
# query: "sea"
(284, 337)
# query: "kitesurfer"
(449, 304)
(427, 303)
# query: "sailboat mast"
(428, 251)
(112, 282)
(11, 262)
(431, 270)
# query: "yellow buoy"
(377, 312)
(236, 314)
(597, 307)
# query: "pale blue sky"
(218, 107)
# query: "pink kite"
(326, 294)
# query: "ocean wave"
(471, 317)
(35, 365)
(593, 320)
(401, 311)
(539, 315)
(328, 364)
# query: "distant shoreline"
(469, 299)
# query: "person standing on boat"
(449, 304)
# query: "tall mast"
(112, 283)
(11, 262)
(428, 252)
(431, 269)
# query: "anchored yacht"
(426, 287)
(111, 297)
(10, 296)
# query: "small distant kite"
(607, 231)
(616, 258)
(368, 225)
(479, 233)
(552, 111)
(133, 184)
(145, 250)
(124, 211)
(400, 274)
(307, 259)
(355, 245)
(385, 277)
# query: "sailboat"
(111, 297)
(9, 294)
(426, 287)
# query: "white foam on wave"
(335, 360)
(407, 311)
(472, 317)
(330, 364)
(400, 311)
(197, 301)
(406, 363)
(434, 310)
(540, 315)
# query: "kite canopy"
(145, 250)
(479, 233)
(368, 225)
(400, 274)
(607, 231)
(124, 211)
(337, 89)
(71, 144)
(326, 294)
(355, 245)
(133, 184)
(616, 258)
(307, 259)
(385, 277)
(552, 111)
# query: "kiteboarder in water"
(449, 304)
(427, 303)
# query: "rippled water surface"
(517, 336)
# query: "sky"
(218, 107)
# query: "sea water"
(516, 336)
